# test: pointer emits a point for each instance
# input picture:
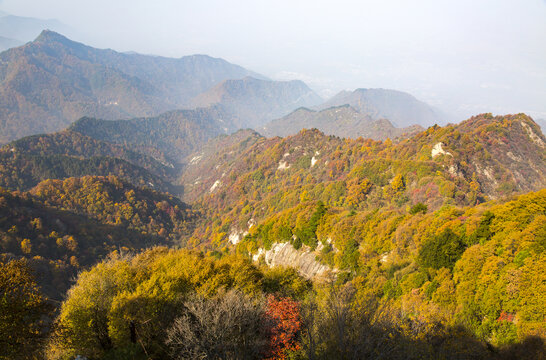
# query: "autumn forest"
(137, 230)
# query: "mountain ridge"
(343, 121)
(482, 157)
(57, 81)
(256, 101)
(401, 108)
(175, 134)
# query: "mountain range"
(498, 155)
(257, 101)
(49, 83)
(343, 121)
(169, 137)
(398, 219)
(400, 108)
(397, 235)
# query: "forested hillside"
(169, 137)
(74, 144)
(62, 227)
(24, 171)
(180, 304)
(343, 121)
(428, 225)
(378, 194)
(483, 157)
(323, 247)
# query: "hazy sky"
(465, 56)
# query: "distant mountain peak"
(52, 37)
(101, 83)
(257, 101)
(49, 35)
(343, 120)
(401, 108)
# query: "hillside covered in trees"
(343, 121)
(61, 227)
(308, 246)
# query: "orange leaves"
(284, 314)
(357, 191)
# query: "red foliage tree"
(284, 315)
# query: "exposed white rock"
(251, 223)
(437, 150)
(196, 159)
(234, 237)
(513, 156)
(384, 257)
(488, 172)
(313, 161)
(320, 245)
(304, 260)
(256, 256)
(283, 165)
(534, 137)
(286, 154)
(216, 184)
(453, 169)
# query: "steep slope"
(169, 137)
(222, 150)
(401, 108)
(26, 162)
(483, 157)
(144, 151)
(49, 83)
(343, 121)
(62, 227)
(255, 101)
(430, 223)
(23, 171)
(74, 144)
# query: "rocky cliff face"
(303, 259)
